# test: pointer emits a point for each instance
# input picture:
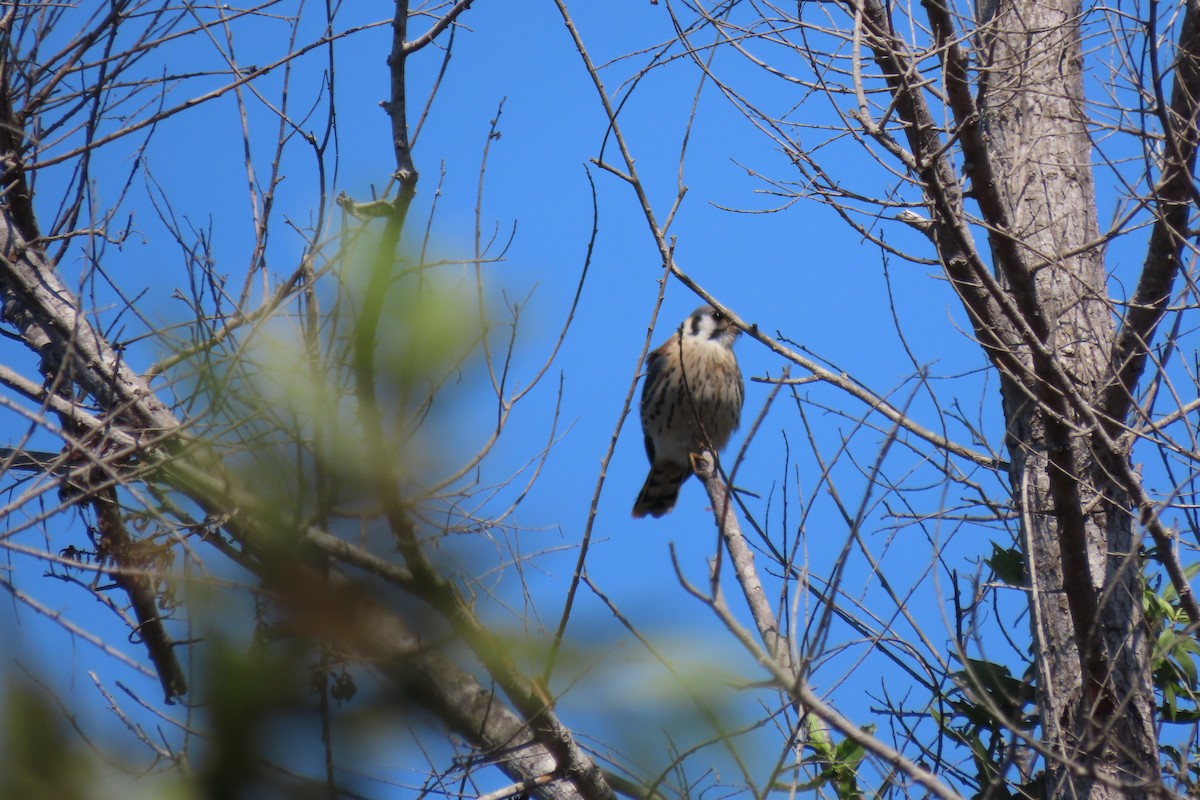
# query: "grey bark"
(1095, 696)
(1043, 317)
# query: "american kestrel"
(691, 401)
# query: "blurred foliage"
(41, 758)
(255, 704)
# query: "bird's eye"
(718, 316)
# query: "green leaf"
(1169, 593)
(1008, 565)
(807, 786)
(1183, 660)
(1009, 694)
(1168, 706)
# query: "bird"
(691, 401)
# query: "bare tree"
(191, 457)
(987, 130)
(278, 451)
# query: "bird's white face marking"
(709, 325)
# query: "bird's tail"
(661, 489)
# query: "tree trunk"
(1095, 696)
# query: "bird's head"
(708, 324)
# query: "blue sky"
(800, 272)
